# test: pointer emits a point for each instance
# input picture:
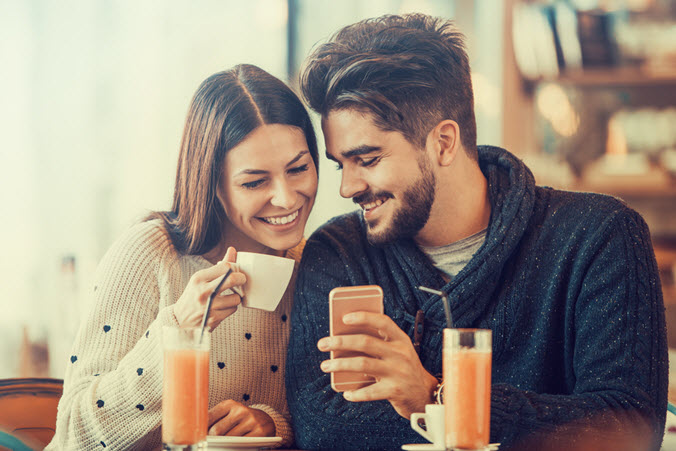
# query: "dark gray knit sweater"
(566, 281)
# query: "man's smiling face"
(390, 178)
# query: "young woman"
(246, 181)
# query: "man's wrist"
(432, 385)
(438, 390)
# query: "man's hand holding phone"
(385, 353)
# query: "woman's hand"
(189, 308)
(237, 420)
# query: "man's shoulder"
(340, 239)
(584, 216)
(577, 206)
(348, 226)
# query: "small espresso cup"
(267, 277)
(434, 424)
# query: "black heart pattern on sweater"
(245, 397)
(284, 318)
(221, 365)
(73, 358)
(248, 336)
(140, 407)
(100, 403)
(139, 371)
(106, 328)
(274, 368)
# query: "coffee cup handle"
(416, 427)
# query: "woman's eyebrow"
(297, 157)
(262, 171)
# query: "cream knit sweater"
(113, 385)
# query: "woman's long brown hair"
(225, 109)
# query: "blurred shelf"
(631, 186)
(615, 77)
(626, 187)
(669, 295)
(613, 176)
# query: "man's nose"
(351, 183)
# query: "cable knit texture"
(566, 281)
(113, 386)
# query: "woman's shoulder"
(147, 235)
(141, 245)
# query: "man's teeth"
(281, 219)
(371, 205)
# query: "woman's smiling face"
(268, 188)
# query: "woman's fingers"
(215, 319)
(225, 422)
(189, 309)
(234, 419)
(220, 410)
(216, 316)
(224, 425)
(230, 255)
(235, 279)
(242, 428)
(225, 302)
(209, 274)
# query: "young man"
(566, 281)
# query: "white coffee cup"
(434, 424)
(267, 277)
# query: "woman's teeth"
(277, 220)
(372, 205)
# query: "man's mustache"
(369, 196)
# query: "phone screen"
(343, 300)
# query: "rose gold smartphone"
(343, 300)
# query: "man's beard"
(416, 204)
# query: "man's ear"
(444, 141)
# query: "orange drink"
(185, 394)
(467, 387)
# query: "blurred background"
(93, 95)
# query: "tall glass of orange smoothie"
(467, 387)
(185, 394)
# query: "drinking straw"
(444, 299)
(671, 408)
(211, 298)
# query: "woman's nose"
(283, 196)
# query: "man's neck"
(461, 206)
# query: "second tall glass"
(467, 387)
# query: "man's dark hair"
(410, 72)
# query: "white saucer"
(422, 447)
(224, 443)
(433, 447)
